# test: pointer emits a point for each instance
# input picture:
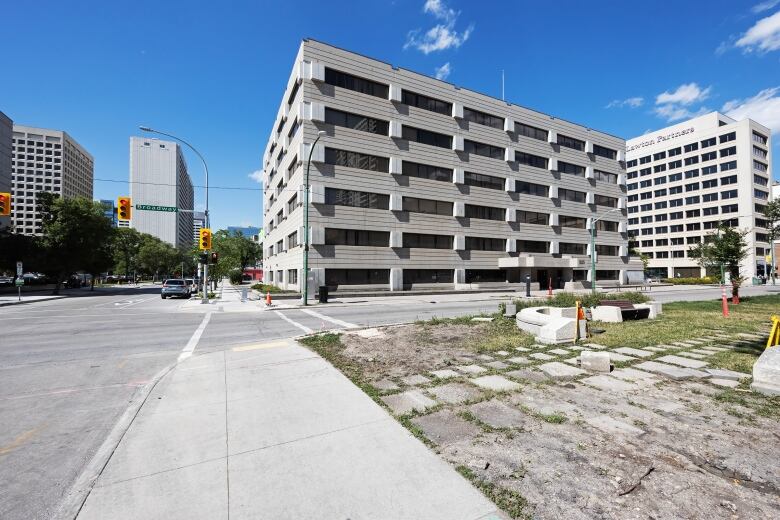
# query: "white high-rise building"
(686, 179)
(198, 223)
(6, 133)
(46, 160)
(158, 177)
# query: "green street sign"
(147, 207)
(19, 282)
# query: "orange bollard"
(268, 298)
(725, 302)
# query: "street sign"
(19, 270)
(19, 282)
(148, 207)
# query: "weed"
(512, 502)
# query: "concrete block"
(522, 349)
(726, 374)
(693, 355)
(560, 371)
(497, 365)
(385, 385)
(656, 308)
(408, 401)
(634, 352)
(519, 360)
(606, 314)
(497, 414)
(415, 379)
(444, 374)
(630, 374)
(618, 357)
(502, 353)
(727, 383)
(595, 361)
(527, 375)
(511, 310)
(550, 325)
(558, 352)
(454, 393)
(445, 427)
(471, 369)
(541, 356)
(672, 372)
(683, 362)
(766, 372)
(610, 384)
(495, 383)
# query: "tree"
(156, 257)
(725, 250)
(76, 236)
(772, 213)
(236, 253)
(127, 242)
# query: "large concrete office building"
(419, 183)
(158, 177)
(46, 160)
(198, 223)
(685, 179)
(6, 147)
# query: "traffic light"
(123, 205)
(205, 239)
(203, 258)
(5, 204)
(214, 257)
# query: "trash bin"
(323, 294)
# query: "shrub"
(236, 278)
(567, 299)
(264, 288)
(692, 281)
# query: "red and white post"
(725, 301)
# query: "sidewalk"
(8, 299)
(273, 431)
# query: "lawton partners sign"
(148, 207)
(660, 138)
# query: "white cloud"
(632, 102)
(764, 6)
(442, 36)
(764, 36)
(764, 108)
(674, 112)
(257, 176)
(443, 72)
(684, 95)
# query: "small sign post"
(19, 279)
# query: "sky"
(214, 73)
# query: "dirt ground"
(626, 445)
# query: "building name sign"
(660, 139)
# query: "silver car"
(175, 287)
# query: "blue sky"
(214, 72)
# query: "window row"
(706, 143)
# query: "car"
(191, 285)
(175, 287)
(6, 280)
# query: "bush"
(236, 278)
(264, 288)
(567, 299)
(692, 281)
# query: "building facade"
(418, 183)
(46, 160)
(158, 177)
(684, 180)
(247, 231)
(198, 223)
(6, 152)
(109, 210)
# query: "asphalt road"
(69, 367)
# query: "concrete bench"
(627, 309)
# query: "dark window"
(731, 179)
(731, 150)
(356, 237)
(482, 118)
(690, 174)
(605, 250)
(572, 169)
(412, 276)
(644, 160)
(485, 244)
(481, 180)
(348, 81)
(607, 225)
(356, 160)
(572, 195)
(426, 171)
(533, 246)
(337, 277)
(662, 167)
(293, 93)
(426, 137)
(485, 275)
(610, 178)
(530, 131)
(728, 137)
(708, 142)
(425, 241)
(603, 200)
(530, 160)
(711, 183)
(532, 217)
(572, 222)
(570, 142)
(658, 156)
(432, 207)
(485, 150)
(357, 199)
(569, 248)
(529, 188)
(692, 186)
(604, 152)
(426, 103)
(691, 160)
(485, 212)
(631, 163)
(709, 156)
(356, 122)
(691, 147)
(707, 170)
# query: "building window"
(356, 160)
(426, 103)
(357, 199)
(759, 166)
(691, 160)
(728, 137)
(485, 244)
(731, 165)
(603, 200)
(485, 150)
(482, 118)
(412, 276)
(485, 275)
(292, 240)
(690, 174)
(570, 248)
(712, 210)
(570, 142)
(692, 186)
(350, 82)
(292, 204)
(431, 207)
(658, 156)
(659, 180)
(605, 250)
(425, 241)
(731, 179)
(481, 180)
(485, 212)
(336, 277)
(530, 131)
(610, 178)
(604, 152)
(529, 188)
(607, 225)
(763, 181)
(572, 169)
(426, 137)
(531, 160)
(426, 171)
(708, 142)
(356, 237)
(760, 139)
(532, 246)
(356, 122)
(662, 167)
(572, 222)
(760, 194)
(691, 147)
(644, 160)
(572, 195)
(532, 217)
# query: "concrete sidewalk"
(8, 299)
(273, 431)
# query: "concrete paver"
(454, 393)
(683, 362)
(408, 401)
(495, 383)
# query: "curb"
(8, 304)
(70, 506)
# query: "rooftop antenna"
(502, 84)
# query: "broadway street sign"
(147, 207)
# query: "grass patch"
(567, 299)
(741, 361)
(500, 334)
(763, 406)
(511, 502)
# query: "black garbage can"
(323, 294)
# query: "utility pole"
(305, 292)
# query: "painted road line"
(193, 342)
(304, 328)
(259, 346)
(338, 322)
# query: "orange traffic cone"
(268, 298)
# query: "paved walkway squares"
(629, 351)
(454, 393)
(385, 385)
(445, 373)
(471, 369)
(609, 384)
(607, 424)
(560, 371)
(727, 374)
(671, 371)
(497, 365)
(683, 362)
(498, 414)
(541, 356)
(415, 379)
(445, 427)
(495, 383)
(408, 401)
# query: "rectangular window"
(356, 122)
(709, 156)
(692, 200)
(292, 204)
(412, 276)
(431, 207)
(660, 205)
(731, 165)
(759, 152)
(610, 178)
(485, 212)
(601, 151)
(757, 165)
(758, 138)
(426, 103)
(532, 217)
(691, 160)
(292, 276)
(645, 171)
(356, 160)
(571, 169)
(692, 213)
(728, 137)
(483, 118)
(356, 237)
(675, 177)
(485, 150)
(707, 170)
(292, 240)
(485, 275)
(605, 250)
(659, 180)
(632, 163)
(531, 160)
(356, 199)
(533, 246)
(726, 152)
(678, 254)
(709, 197)
(337, 277)
(690, 174)
(676, 228)
(570, 142)
(661, 230)
(426, 171)
(691, 147)
(763, 181)
(658, 156)
(660, 193)
(481, 180)
(350, 82)
(675, 151)
(426, 137)
(569, 248)
(712, 210)
(425, 241)
(645, 184)
(572, 195)
(603, 200)
(530, 131)
(731, 179)
(644, 160)
(710, 183)
(485, 244)
(571, 222)
(731, 208)
(695, 226)
(661, 217)
(708, 142)
(692, 186)
(661, 168)
(607, 225)
(760, 194)
(529, 188)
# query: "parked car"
(191, 285)
(6, 280)
(175, 287)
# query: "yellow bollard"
(774, 333)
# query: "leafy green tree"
(772, 213)
(157, 258)
(236, 253)
(725, 249)
(127, 242)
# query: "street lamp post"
(208, 222)
(593, 249)
(305, 292)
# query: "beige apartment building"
(417, 183)
(686, 179)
